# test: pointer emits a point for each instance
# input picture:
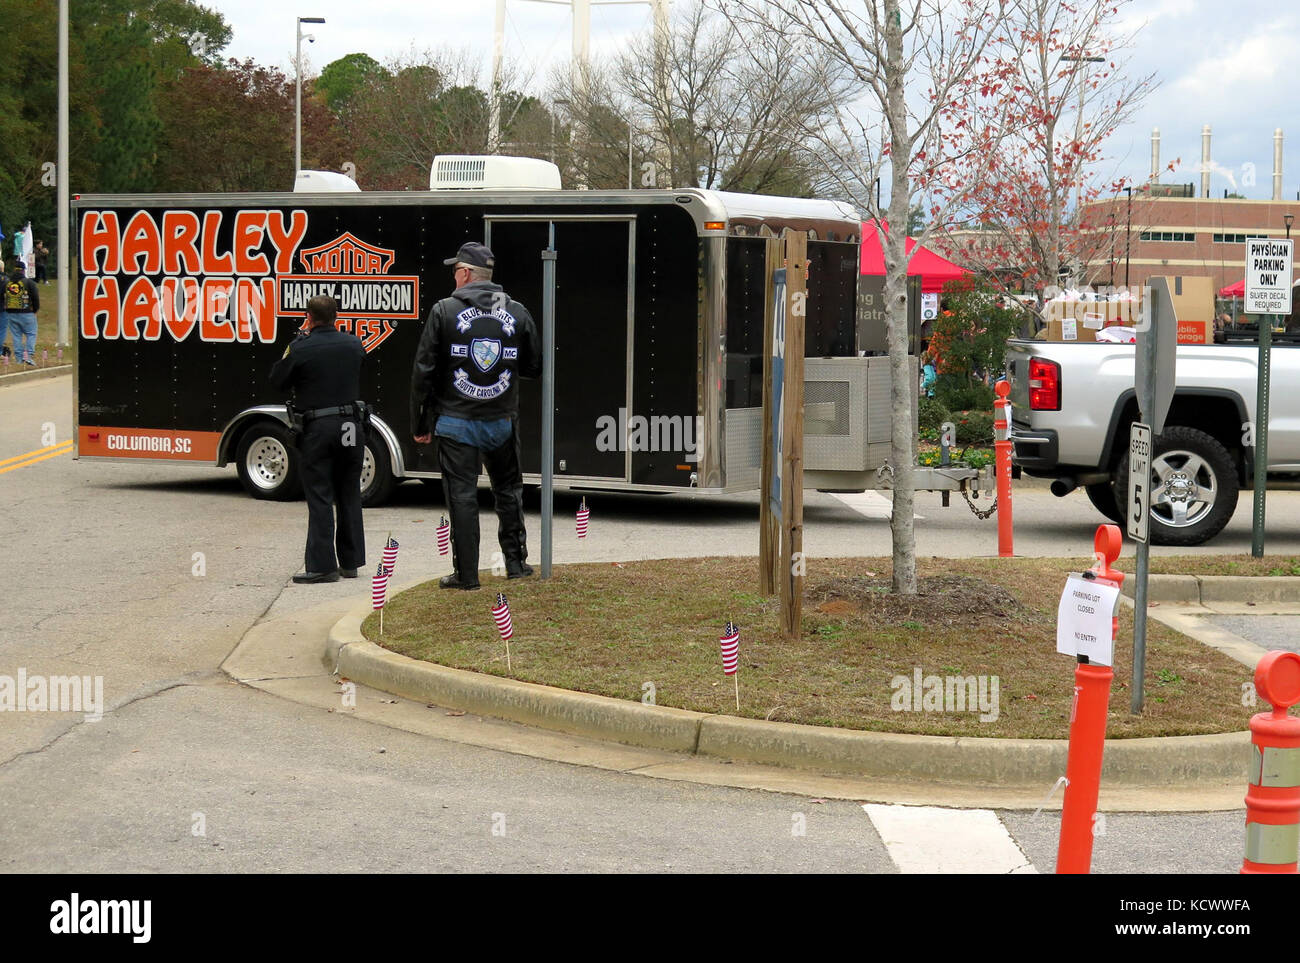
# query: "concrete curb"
(37, 374)
(1175, 761)
(1208, 589)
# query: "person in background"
(42, 259)
(4, 315)
(22, 301)
(928, 374)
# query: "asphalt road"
(103, 581)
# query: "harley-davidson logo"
(355, 274)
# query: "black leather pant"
(459, 464)
(331, 476)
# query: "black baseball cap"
(472, 252)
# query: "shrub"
(958, 397)
(931, 413)
(974, 427)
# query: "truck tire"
(1194, 487)
(377, 481)
(267, 462)
(1104, 497)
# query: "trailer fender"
(230, 434)
(394, 448)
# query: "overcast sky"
(1230, 72)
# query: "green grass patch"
(610, 628)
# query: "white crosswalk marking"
(927, 839)
(869, 503)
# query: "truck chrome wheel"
(267, 463)
(1185, 490)
(367, 468)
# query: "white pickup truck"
(1073, 404)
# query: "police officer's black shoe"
(522, 570)
(307, 578)
(454, 582)
(348, 572)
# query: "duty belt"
(347, 411)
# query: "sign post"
(1268, 292)
(1155, 374)
(781, 503)
(548, 400)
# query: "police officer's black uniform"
(324, 371)
(475, 346)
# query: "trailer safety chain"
(981, 515)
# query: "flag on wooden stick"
(730, 642)
(379, 593)
(444, 536)
(583, 514)
(501, 615)
(390, 554)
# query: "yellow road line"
(38, 451)
(62, 450)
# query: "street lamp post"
(297, 103)
(1128, 232)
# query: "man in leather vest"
(475, 346)
(324, 370)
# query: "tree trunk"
(902, 453)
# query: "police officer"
(323, 368)
(464, 388)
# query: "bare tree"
(932, 76)
(712, 105)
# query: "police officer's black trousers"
(331, 476)
(459, 464)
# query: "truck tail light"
(1044, 385)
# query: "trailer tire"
(267, 462)
(1193, 471)
(1105, 498)
(377, 481)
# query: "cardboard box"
(1194, 306)
(1193, 299)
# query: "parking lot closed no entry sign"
(1268, 275)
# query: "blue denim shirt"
(483, 435)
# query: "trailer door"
(594, 314)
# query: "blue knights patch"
(485, 352)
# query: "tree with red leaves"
(1030, 222)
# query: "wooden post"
(792, 564)
(769, 532)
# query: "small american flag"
(444, 536)
(583, 514)
(379, 587)
(390, 555)
(501, 615)
(730, 642)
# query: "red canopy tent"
(935, 271)
(1237, 290)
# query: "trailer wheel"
(1193, 486)
(377, 481)
(268, 463)
(1105, 499)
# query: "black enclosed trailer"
(187, 300)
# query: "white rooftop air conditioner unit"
(323, 182)
(465, 172)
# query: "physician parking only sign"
(1268, 275)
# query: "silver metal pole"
(61, 177)
(548, 399)
(498, 52)
(297, 104)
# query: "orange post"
(1002, 457)
(1273, 798)
(1088, 730)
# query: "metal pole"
(548, 398)
(1146, 347)
(629, 157)
(1261, 424)
(297, 104)
(498, 48)
(61, 177)
(1128, 233)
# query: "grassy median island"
(610, 628)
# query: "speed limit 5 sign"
(1138, 514)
